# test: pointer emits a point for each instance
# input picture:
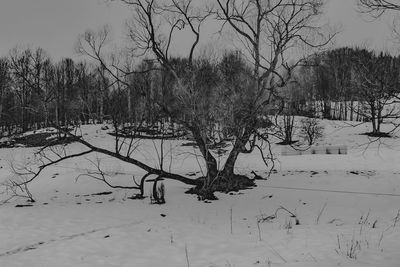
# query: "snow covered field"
(345, 204)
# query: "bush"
(311, 130)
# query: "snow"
(68, 226)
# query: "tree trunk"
(379, 119)
(229, 168)
(327, 110)
(373, 118)
(46, 115)
(57, 113)
(101, 107)
(351, 110)
(129, 106)
(228, 171)
(211, 162)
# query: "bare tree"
(30, 70)
(154, 33)
(4, 90)
(377, 81)
(311, 130)
(93, 44)
(269, 31)
(193, 95)
(378, 7)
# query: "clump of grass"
(350, 248)
(288, 225)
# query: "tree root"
(221, 184)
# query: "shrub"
(311, 130)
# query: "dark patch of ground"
(42, 139)
(102, 193)
(7, 144)
(150, 132)
(23, 205)
(237, 183)
(380, 134)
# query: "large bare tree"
(270, 34)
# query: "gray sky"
(55, 24)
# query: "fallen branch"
(269, 218)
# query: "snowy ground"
(340, 201)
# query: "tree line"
(38, 92)
(347, 83)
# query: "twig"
(396, 219)
(321, 211)
(264, 218)
(231, 221)
(259, 230)
(187, 256)
(277, 253)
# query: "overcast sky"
(55, 24)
